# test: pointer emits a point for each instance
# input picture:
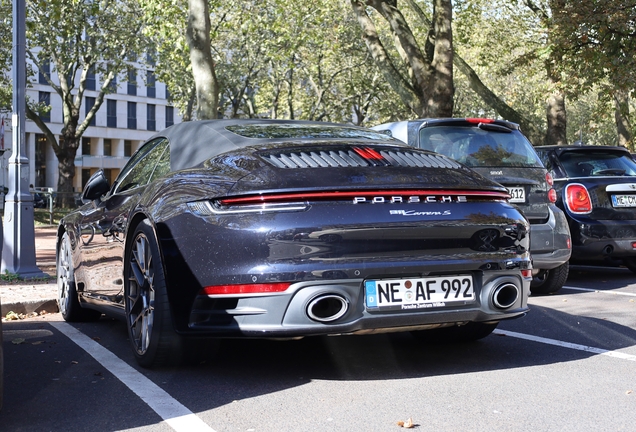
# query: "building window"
(108, 147)
(108, 173)
(132, 115)
(151, 124)
(169, 116)
(91, 81)
(132, 82)
(167, 93)
(40, 160)
(112, 87)
(151, 91)
(86, 146)
(44, 72)
(127, 148)
(86, 174)
(111, 113)
(90, 103)
(44, 98)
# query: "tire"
(67, 297)
(630, 263)
(550, 281)
(148, 315)
(466, 333)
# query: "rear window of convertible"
(300, 131)
(476, 147)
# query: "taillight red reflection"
(577, 198)
(549, 179)
(244, 288)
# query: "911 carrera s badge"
(420, 213)
(410, 199)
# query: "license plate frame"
(419, 292)
(624, 201)
(517, 194)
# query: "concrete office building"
(137, 108)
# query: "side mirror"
(95, 187)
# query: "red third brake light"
(480, 120)
(577, 198)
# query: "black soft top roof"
(197, 141)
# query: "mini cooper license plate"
(418, 293)
(624, 200)
(517, 194)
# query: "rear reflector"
(552, 196)
(634, 245)
(526, 274)
(245, 288)
(577, 198)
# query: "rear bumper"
(550, 242)
(599, 240)
(286, 315)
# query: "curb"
(32, 298)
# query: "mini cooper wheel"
(148, 314)
(550, 281)
(67, 297)
(469, 332)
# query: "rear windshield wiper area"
(493, 127)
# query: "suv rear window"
(588, 163)
(476, 147)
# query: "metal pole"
(18, 251)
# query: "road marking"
(169, 409)
(562, 344)
(599, 291)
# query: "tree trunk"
(198, 37)
(557, 121)
(441, 90)
(622, 117)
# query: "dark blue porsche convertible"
(283, 229)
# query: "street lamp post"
(18, 249)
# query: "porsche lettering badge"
(410, 199)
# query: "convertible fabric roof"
(194, 142)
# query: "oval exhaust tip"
(505, 295)
(327, 308)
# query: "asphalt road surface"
(569, 365)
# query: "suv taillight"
(577, 198)
(549, 179)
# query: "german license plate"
(624, 200)
(418, 293)
(517, 194)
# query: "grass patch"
(44, 218)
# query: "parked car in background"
(283, 229)
(498, 150)
(596, 188)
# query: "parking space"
(568, 365)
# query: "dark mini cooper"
(596, 187)
(279, 229)
(498, 150)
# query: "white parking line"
(562, 344)
(169, 409)
(599, 291)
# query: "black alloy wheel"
(148, 314)
(67, 298)
(550, 281)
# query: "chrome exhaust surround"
(505, 295)
(327, 307)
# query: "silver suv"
(498, 150)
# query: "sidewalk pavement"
(24, 296)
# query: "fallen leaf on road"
(37, 342)
(12, 316)
(628, 392)
(74, 362)
(96, 339)
(406, 424)
(17, 341)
